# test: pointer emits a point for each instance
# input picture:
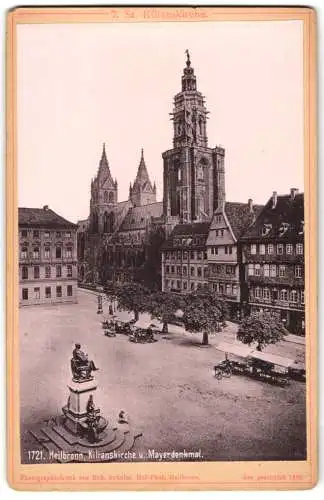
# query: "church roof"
(142, 180)
(43, 218)
(137, 217)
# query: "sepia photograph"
(161, 256)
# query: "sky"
(80, 85)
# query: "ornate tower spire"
(188, 79)
(189, 113)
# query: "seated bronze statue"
(80, 365)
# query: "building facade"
(224, 251)
(273, 258)
(184, 258)
(47, 257)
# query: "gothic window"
(105, 228)
(200, 173)
(200, 126)
(178, 203)
(95, 222)
(111, 197)
(105, 197)
(111, 222)
(179, 174)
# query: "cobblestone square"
(167, 388)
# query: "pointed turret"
(142, 192)
(104, 170)
(142, 177)
(104, 194)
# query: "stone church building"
(122, 241)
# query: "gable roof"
(240, 216)
(43, 218)
(138, 217)
(288, 209)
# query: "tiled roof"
(240, 216)
(137, 217)
(288, 212)
(188, 231)
(191, 229)
(42, 218)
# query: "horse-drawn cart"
(240, 359)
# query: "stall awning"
(271, 358)
(144, 324)
(237, 350)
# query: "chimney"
(293, 193)
(250, 204)
(274, 199)
(45, 207)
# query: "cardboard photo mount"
(162, 475)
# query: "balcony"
(287, 280)
(273, 258)
(282, 304)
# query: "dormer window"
(283, 228)
(266, 229)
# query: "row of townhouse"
(252, 255)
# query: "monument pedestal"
(81, 434)
(75, 411)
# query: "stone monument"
(81, 433)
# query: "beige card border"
(162, 476)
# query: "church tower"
(142, 192)
(194, 174)
(104, 197)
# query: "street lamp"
(99, 311)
